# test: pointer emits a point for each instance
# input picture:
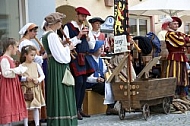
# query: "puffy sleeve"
(59, 52)
(6, 71)
(41, 73)
(176, 39)
(92, 41)
(74, 40)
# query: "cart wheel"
(166, 105)
(121, 111)
(146, 111)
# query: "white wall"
(38, 9)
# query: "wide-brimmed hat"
(82, 10)
(95, 19)
(98, 45)
(54, 17)
(28, 26)
(178, 20)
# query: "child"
(31, 79)
(12, 105)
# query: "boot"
(83, 114)
(79, 116)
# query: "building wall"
(95, 7)
(37, 10)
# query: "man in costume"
(176, 43)
(96, 81)
(96, 22)
(83, 39)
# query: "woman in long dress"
(61, 105)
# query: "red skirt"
(12, 103)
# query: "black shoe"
(79, 116)
(83, 114)
(111, 111)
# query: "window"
(139, 25)
(9, 18)
(187, 28)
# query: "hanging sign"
(120, 44)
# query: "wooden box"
(93, 103)
(141, 91)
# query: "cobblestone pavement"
(136, 119)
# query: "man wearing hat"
(83, 39)
(28, 32)
(176, 43)
(96, 81)
(96, 22)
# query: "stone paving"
(135, 119)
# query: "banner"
(120, 12)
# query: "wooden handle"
(137, 47)
(69, 42)
(42, 50)
(41, 46)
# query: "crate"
(93, 103)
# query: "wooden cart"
(141, 94)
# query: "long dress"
(34, 71)
(61, 105)
(12, 104)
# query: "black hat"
(95, 19)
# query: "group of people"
(63, 102)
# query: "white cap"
(26, 27)
(166, 20)
(43, 23)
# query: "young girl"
(31, 79)
(12, 105)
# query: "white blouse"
(8, 72)
(75, 40)
(59, 52)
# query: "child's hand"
(35, 81)
(29, 79)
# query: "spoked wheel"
(121, 111)
(166, 105)
(146, 111)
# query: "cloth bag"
(68, 78)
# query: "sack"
(155, 42)
(28, 95)
(144, 44)
(68, 78)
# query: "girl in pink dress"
(12, 104)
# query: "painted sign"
(108, 24)
(120, 44)
(120, 17)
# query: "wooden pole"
(129, 56)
